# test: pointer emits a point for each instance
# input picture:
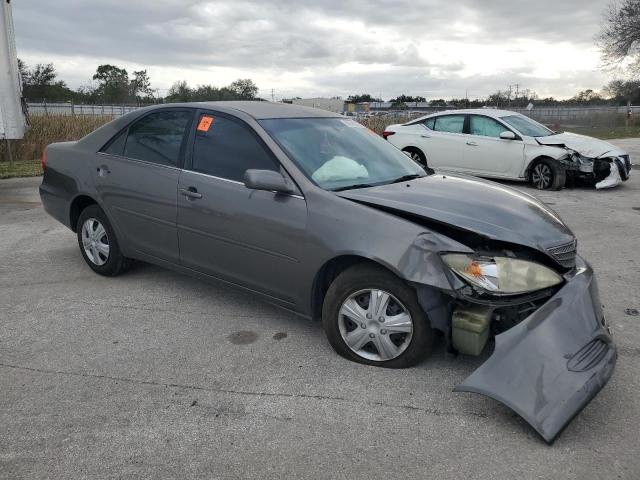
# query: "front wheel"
(371, 316)
(546, 175)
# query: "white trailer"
(13, 120)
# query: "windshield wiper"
(350, 187)
(404, 178)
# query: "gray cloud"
(289, 36)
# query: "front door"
(252, 238)
(485, 153)
(136, 176)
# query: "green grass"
(605, 133)
(20, 169)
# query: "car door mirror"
(267, 180)
(508, 135)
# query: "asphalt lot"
(157, 375)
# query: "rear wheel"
(98, 243)
(547, 175)
(371, 316)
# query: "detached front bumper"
(549, 366)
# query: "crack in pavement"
(430, 411)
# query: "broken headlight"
(502, 275)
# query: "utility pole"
(13, 121)
(272, 96)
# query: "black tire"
(114, 263)
(363, 277)
(417, 156)
(547, 175)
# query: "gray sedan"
(315, 213)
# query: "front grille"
(588, 356)
(565, 254)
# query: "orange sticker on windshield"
(205, 123)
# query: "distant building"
(335, 104)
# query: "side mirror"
(267, 180)
(508, 135)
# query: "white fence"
(72, 109)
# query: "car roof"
(259, 110)
(489, 112)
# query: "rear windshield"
(526, 126)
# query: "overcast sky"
(324, 47)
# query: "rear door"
(252, 238)
(442, 141)
(485, 153)
(136, 176)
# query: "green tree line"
(114, 85)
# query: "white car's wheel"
(417, 156)
(546, 175)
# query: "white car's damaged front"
(591, 159)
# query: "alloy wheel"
(95, 241)
(542, 176)
(375, 325)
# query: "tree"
(362, 97)
(180, 92)
(140, 87)
(588, 97)
(440, 102)
(244, 88)
(23, 70)
(623, 91)
(113, 84)
(40, 83)
(620, 35)
(407, 99)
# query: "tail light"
(43, 160)
(387, 134)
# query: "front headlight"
(502, 275)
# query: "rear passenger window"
(430, 122)
(226, 148)
(158, 137)
(449, 123)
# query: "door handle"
(103, 170)
(190, 192)
(425, 136)
(472, 144)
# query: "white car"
(507, 145)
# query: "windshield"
(526, 126)
(338, 154)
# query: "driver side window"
(226, 149)
(485, 126)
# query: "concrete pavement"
(156, 375)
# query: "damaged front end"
(605, 172)
(591, 160)
(553, 349)
(496, 264)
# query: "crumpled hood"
(586, 146)
(486, 208)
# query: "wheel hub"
(375, 325)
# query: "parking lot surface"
(156, 375)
